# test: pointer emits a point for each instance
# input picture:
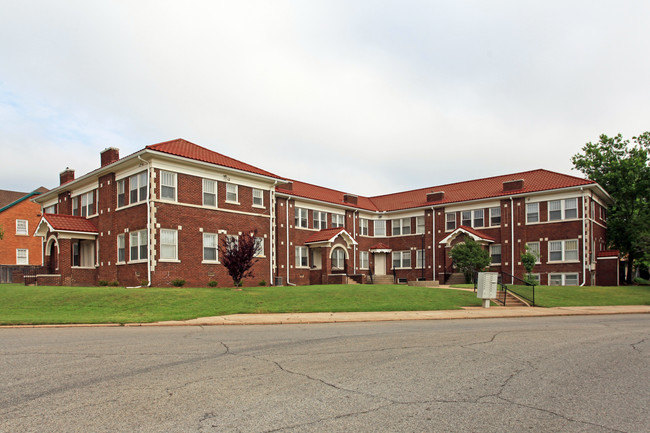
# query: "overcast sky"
(370, 97)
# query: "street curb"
(350, 317)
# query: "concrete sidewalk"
(382, 316)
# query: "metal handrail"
(516, 280)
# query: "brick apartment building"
(159, 214)
(18, 218)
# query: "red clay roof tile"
(324, 235)
(70, 223)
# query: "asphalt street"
(555, 374)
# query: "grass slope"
(48, 305)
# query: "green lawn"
(46, 305)
(576, 296)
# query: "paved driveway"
(568, 374)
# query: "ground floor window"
(302, 257)
(495, 254)
(338, 259)
(364, 260)
(83, 254)
(138, 245)
(22, 256)
(209, 247)
(121, 248)
(563, 279)
(168, 244)
(401, 259)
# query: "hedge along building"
(159, 214)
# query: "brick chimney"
(110, 155)
(435, 196)
(513, 185)
(350, 198)
(66, 176)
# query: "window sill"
(302, 267)
(259, 257)
(233, 202)
(168, 261)
(168, 200)
(259, 206)
(22, 234)
(137, 261)
(560, 262)
(120, 263)
(399, 269)
(83, 267)
(210, 262)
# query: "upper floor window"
(337, 220)
(401, 226)
(419, 225)
(258, 197)
(88, 204)
(75, 206)
(320, 220)
(232, 193)
(301, 217)
(168, 244)
(363, 226)
(138, 187)
(22, 227)
(450, 221)
(532, 212)
(562, 251)
(495, 216)
(209, 247)
(562, 209)
(479, 221)
(50, 209)
(121, 192)
(209, 192)
(22, 256)
(380, 227)
(302, 257)
(167, 185)
(472, 218)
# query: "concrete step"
(383, 279)
(456, 278)
(511, 300)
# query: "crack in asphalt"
(636, 344)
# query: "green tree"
(238, 256)
(529, 259)
(622, 169)
(2, 233)
(470, 257)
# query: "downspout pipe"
(354, 234)
(272, 214)
(512, 238)
(584, 243)
(433, 244)
(288, 261)
(148, 220)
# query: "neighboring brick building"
(159, 214)
(19, 216)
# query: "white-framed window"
(450, 220)
(419, 259)
(259, 246)
(495, 216)
(563, 251)
(301, 215)
(22, 256)
(479, 220)
(320, 220)
(88, 204)
(83, 254)
(232, 193)
(50, 209)
(364, 260)
(569, 279)
(167, 185)
(534, 248)
(401, 226)
(466, 218)
(209, 192)
(168, 244)
(495, 254)
(75, 206)
(532, 212)
(363, 226)
(379, 227)
(401, 259)
(472, 218)
(535, 277)
(138, 187)
(210, 253)
(419, 225)
(302, 257)
(22, 227)
(233, 241)
(338, 220)
(121, 248)
(563, 209)
(258, 197)
(121, 192)
(138, 245)
(338, 259)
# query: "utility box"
(486, 288)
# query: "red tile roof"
(608, 253)
(324, 235)
(185, 149)
(70, 223)
(476, 233)
(535, 180)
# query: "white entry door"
(380, 264)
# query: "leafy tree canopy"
(622, 168)
(238, 256)
(470, 257)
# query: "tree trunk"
(630, 268)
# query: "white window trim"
(124, 193)
(563, 210)
(168, 260)
(138, 260)
(417, 226)
(447, 215)
(216, 243)
(236, 201)
(299, 211)
(26, 256)
(538, 213)
(500, 254)
(424, 259)
(174, 178)
(204, 192)
(262, 255)
(137, 177)
(564, 250)
(335, 220)
(401, 260)
(117, 250)
(337, 251)
(298, 262)
(364, 226)
(367, 255)
(539, 251)
(322, 222)
(563, 277)
(259, 206)
(26, 231)
(490, 216)
(401, 227)
(374, 228)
